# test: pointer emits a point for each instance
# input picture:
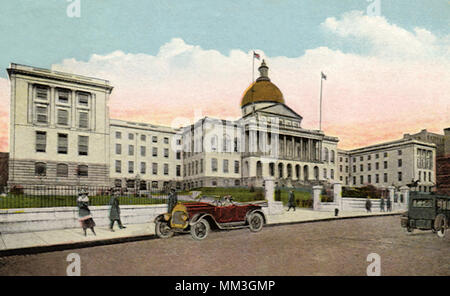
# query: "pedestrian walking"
(388, 205)
(368, 205)
(114, 210)
(291, 201)
(172, 200)
(84, 213)
(382, 204)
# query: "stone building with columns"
(267, 141)
(61, 134)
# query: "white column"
(337, 194)
(405, 192)
(391, 190)
(316, 197)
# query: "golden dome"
(262, 90)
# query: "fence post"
(391, 190)
(337, 194)
(316, 197)
(405, 191)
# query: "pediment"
(280, 110)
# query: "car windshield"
(422, 203)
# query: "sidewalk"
(52, 240)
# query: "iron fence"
(42, 196)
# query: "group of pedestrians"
(85, 216)
(383, 203)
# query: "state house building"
(61, 134)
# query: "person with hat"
(84, 213)
(114, 210)
(172, 200)
(291, 200)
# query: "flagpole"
(253, 81)
(320, 121)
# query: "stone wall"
(40, 219)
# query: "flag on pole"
(323, 76)
(255, 55)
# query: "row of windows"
(143, 168)
(377, 166)
(63, 109)
(377, 155)
(196, 167)
(144, 138)
(62, 170)
(369, 180)
(62, 146)
(143, 151)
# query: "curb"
(119, 240)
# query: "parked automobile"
(199, 218)
(427, 212)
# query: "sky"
(171, 62)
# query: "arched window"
(226, 143)
(40, 169)
(214, 143)
(325, 154)
(332, 155)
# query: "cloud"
(399, 86)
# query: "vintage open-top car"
(199, 217)
(427, 212)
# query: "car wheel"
(163, 230)
(255, 222)
(200, 230)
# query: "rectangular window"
(83, 121)
(354, 180)
(361, 179)
(399, 152)
(118, 166)
(41, 92)
(399, 162)
(369, 166)
(155, 139)
(62, 170)
(154, 152)
(42, 114)
(166, 153)
(63, 96)
(62, 143)
(166, 169)
(118, 148)
(332, 174)
(385, 154)
(82, 171)
(368, 157)
(178, 170)
(225, 165)
(214, 164)
(131, 167)
(83, 145)
(399, 176)
(385, 177)
(385, 165)
(131, 150)
(166, 140)
(154, 168)
(143, 167)
(63, 117)
(377, 165)
(118, 135)
(83, 99)
(41, 141)
(178, 154)
(340, 168)
(142, 150)
(143, 138)
(377, 178)
(346, 168)
(354, 168)
(377, 156)
(361, 167)
(201, 166)
(369, 179)
(361, 158)
(155, 184)
(130, 136)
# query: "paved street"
(322, 248)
